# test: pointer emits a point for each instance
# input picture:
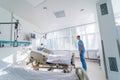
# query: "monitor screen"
(33, 36)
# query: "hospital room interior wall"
(25, 28)
(5, 16)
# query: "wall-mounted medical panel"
(4, 43)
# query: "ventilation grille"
(104, 9)
(113, 64)
(60, 14)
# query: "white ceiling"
(36, 3)
(33, 12)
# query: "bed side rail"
(81, 74)
(73, 60)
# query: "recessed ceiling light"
(82, 9)
(35, 3)
(44, 7)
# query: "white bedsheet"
(18, 73)
(59, 58)
(3, 65)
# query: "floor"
(94, 70)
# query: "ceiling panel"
(35, 3)
(41, 13)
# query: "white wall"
(5, 16)
(24, 26)
(8, 53)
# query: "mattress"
(56, 58)
(19, 73)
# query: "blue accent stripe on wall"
(3, 42)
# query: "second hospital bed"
(51, 61)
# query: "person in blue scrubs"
(81, 50)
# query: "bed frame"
(82, 75)
(39, 61)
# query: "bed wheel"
(50, 69)
(66, 71)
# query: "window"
(90, 28)
(66, 39)
(117, 20)
(92, 40)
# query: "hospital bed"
(51, 61)
(14, 72)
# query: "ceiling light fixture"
(44, 7)
(82, 10)
(36, 3)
